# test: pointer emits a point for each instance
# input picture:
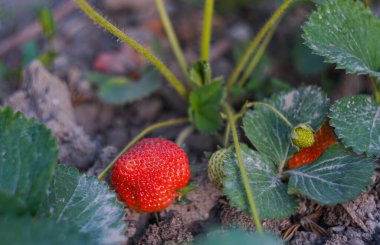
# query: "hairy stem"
(206, 31)
(171, 36)
(257, 57)
(149, 129)
(86, 8)
(243, 172)
(256, 41)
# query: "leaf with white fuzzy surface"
(338, 176)
(345, 32)
(28, 153)
(271, 135)
(86, 203)
(270, 194)
(356, 120)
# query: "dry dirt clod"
(106, 155)
(231, 217)
(47, 99)
(169, 231)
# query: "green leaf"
(48, 58)
(10, 204)
(347, 33)
(200, 73)
(205, 103)
(29, 52)
(120, 90)
(47, 23)
(98, 78)
(236, 236)
(271, 197)
(28, 231)
(306, 62)
(86, 203)
(356, 120)
(338, 176)
(28, 153)
(271, 135)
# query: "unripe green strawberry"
(215, 168)
(302, 136)
(148, 175)
(324, 138)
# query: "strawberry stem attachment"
(149, 129)
(231, 121)
(171, 36)
(87, 9)
(256, 41)
(206, 30)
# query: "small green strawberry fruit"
(302, 136)
(215, 168)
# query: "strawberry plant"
(42, 202)
(298, 143)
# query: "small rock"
(337, 229)
(106, 155)
(240, 32)
(47, 99)
(356, 241)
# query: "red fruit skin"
(324, 137)
(148, 175)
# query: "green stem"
(171, 36)
(184, 134)
(206, 31)
(277, 112)
(149, 129)
(227, 135)
(86, 8)
(243, 172)
(256, 41)
(376, 86)
(257, 57)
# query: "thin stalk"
(171, 36)
(376, 86)
(256, 41)
(184, 134)
(243, 172)
(277, 112)
(206, 30)
(149, 129)
(257, 57)
(227, 135)
(86, 8)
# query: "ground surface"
(91, 132)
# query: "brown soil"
(90, 133)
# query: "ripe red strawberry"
(148, 175)
(323, 139)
